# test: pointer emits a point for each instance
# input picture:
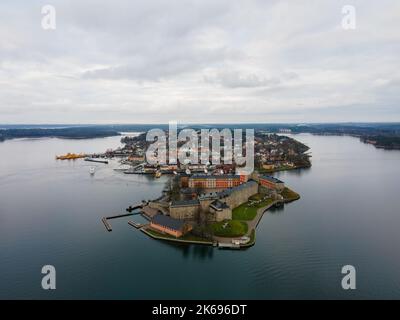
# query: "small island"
(211, 204)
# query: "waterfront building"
(271, 183)
(268, 166)
(136, 158)
(168, 225)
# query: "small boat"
(158, 174)
(92, 170)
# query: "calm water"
(50, 213)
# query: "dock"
(135, 224)
(119, 216)
(96, 160)
(226, 245)
(106, 224)
(134, 207)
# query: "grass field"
(233, 228)
(289, 195)
(246, 212)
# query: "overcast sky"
(199, 61)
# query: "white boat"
(92, 170)
(123, 167)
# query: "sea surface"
(50, 214)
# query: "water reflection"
(294, 172)
(195, 252)
(276, 210)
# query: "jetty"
(135, 224)
(227, 245)
(106, 224)
(134, 207)
(96, 160)
(119, 216)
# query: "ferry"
(70, 156)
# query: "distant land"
(381, 135)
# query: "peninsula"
(212, 204)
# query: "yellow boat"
(70, 156)
(158, 174)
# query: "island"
(212, 204)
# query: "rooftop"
(222, 176)
(228, 191)
(168, 222)
(219, 205)
(184, 203)
(208, 195)
(271, 179)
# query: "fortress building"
(184, 209)
(217, 206)
(214, 182)
(230, 192)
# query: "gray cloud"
(199, 61)
(234, 79)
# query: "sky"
(199, 61)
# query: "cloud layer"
(199, 61)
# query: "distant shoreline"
(381, 135)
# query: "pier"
(134, 207)
(119, 216)
(135, 224)
(95, 160)
(106, 224)
(226, 245)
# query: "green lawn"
(233, 228)
(246, 212)
(256, 197)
